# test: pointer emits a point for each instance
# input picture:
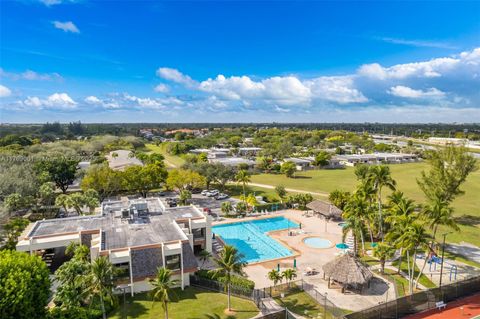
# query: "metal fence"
(419, 301)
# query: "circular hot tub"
(317, 242)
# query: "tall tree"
(100, 281)
(103, 179)
(289, 169)
(339, 198)
(383, 251)
(380, 177)
(289, 274)
(449, 168)
(243, 178)
(12, 230)
(24, 285)
(61, 170)
(228, 263)
(162, 287)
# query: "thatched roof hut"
(328, 210)
(348, 271)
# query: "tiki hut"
(325, 209)
(348, 272)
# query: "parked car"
(212, 193)
(204, 192)
(195, 191)
(221, 196)
(171, 202)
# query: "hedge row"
(236, 280)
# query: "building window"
(198, 233)
(123, 270)
(173, 262)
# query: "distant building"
(376, 158)
(248, 151)
(447, 140)
(233, 161)
(136, 235)
(301, 164)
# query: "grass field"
(302, 304)
(191, 303)
(466, 206)
(171, 160)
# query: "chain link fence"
(419, 301)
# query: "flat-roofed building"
(232, 161)
(301, 164)
(137, 235)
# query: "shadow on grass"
(468, 220)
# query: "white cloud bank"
(4, 91)
(67, 26)
(54, 101)
(441, 82)
(31, 76)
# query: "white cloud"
(54, 101)
(30, 75)
(428, 69)
(405, 91)
(92, 100)
(162, 88)
(418, 43)
(4, 91)
(50, 2)
(340, 89)
(66, 26)
(175, 76)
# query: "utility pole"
(443, 254)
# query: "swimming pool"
(317, 242)
(251, 240)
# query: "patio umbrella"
(374, 245)
(295, 263)
(342, 246)
(278, 267)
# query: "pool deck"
(313, 258)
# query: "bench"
(439, 305)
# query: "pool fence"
(419, 301)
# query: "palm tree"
(401, 216)
(162, 288)
(228, 262)
(227, 207)
(439, 213)
(100, 280)
(77, 251)
(275, 276)
(289, 274)
(383, 251)
(358, 208)
(380, 177)
(204, 256)
(243, 177)
(355, 226)
(412, 240)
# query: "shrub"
(236, 280)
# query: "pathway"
(467, 250)
(324, 194)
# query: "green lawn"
(172, 160)
(191, 303)
(400, 282)
(302, 304)
(424, 280)
(466, 206)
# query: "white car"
(212, 193)
(205, 192)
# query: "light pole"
(443, 254)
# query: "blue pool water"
(251, 240)
(317, 242)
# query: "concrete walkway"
(323, 194)
(467, 250)
(270, 306)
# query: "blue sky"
(152, 61)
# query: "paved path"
(324, 194)
(467, 250)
